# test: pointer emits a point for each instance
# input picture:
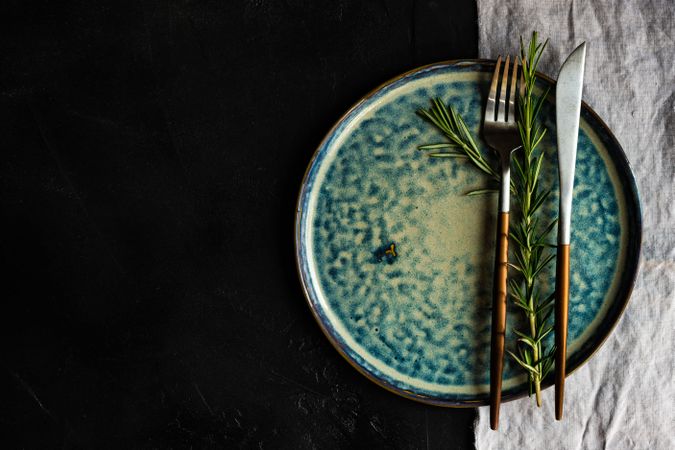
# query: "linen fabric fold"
(622, 398)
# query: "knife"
(568, 107)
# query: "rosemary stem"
(536, 350)
(537, 390)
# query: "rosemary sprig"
(530, 254)
(453, 127)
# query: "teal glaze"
(418, 321)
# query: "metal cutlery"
(568, 108)
(500, 132)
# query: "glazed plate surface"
(396, 261)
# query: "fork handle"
(498, 318)
(562, 290)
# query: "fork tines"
(502, 114)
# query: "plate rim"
(626, 284)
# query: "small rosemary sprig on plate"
(453, 127)
(529, 252)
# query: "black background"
(151, 157)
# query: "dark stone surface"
(151, 156)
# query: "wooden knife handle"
(498, 318)
(562, 290)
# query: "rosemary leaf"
(447, 155)
(437, 146)
(482, 191)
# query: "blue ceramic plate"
(396, 262)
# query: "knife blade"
(568, 109)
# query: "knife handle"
(562, 290)
(498, 318)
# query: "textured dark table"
(151, 157)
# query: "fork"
(501, 134)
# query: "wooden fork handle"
(498, 318)
(562, 290)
